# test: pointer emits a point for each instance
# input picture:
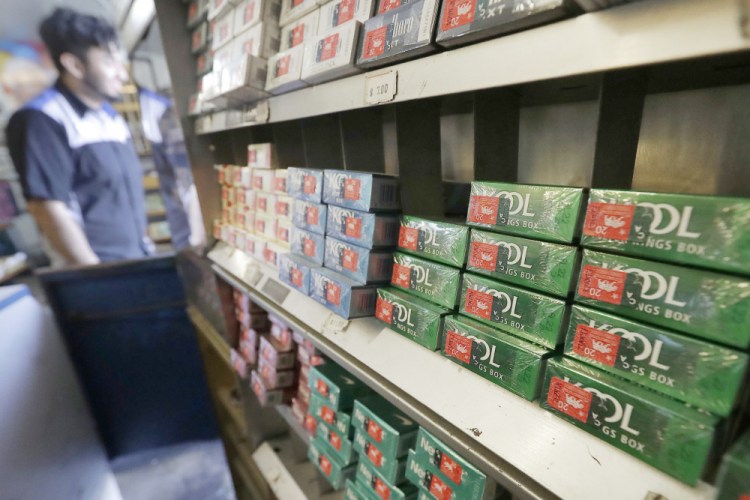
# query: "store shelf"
(637, 34)
(209, 333)
(528, 450)
(286, 413)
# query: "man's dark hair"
(66, 30)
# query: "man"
(79, 170)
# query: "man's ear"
(73, 65)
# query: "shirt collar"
(78, 105)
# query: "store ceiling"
(20, 21)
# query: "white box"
(262, 40)
(332, 55)
(291, 10)
(248, 13)
(217, 8)
(196, 11)
(283, 233)
(279, 181)
(265, 226)
(263, 179)
(259, 155)
(222, 31)
(338, 12)
(285, 71)
(244, 80)
(299, 31)
(265, 203)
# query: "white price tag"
(381, 87)
(335, 324)
(251, 274)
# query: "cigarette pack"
(414, 318)
(309, 245)
(392, 431)
(285, 71)
(337, 12)
(309, 216)
(295, 272)
(366, 192)
(299, 31)
(305, 183)
(435, 240)
(259, 155)
(429, 280)
(362, 228)
(337, 386)
(341, 295)
(360, 264)
(331, 55)
(322, 455)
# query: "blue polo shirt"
(63, 150)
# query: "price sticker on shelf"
(381, 87)
(252, 274)
(335, 324)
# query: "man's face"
(105, 71)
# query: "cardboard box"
(375, 485)
(262, 40)
(402, 33)
(427, 478)
(244, 80)
(264, 226)
(704, 231)
(359, 264)
(362, 191)
(299, 31)
(265, 203)
(271, 253)
(510, 362)
(523, 313)
(700, 373)
(431, 281)
(248, 13)
(442, 242)
(285, 71)
(239, 363)
(272, 352)
(547, 267)
(708, 305)
(331, 56)
(223, 27)
(291, 10)
(412, 317)
(550, 213)
(263, 181)
(267, 396)
(341, 295)
(337, 386)
(323, 413)
(283, 208)
(385, 425)
(340, 445)
(259, 155)
(284, 232)
(473, 20)
(321, 454)
(279, 181)
(309, 245)
(658, 430)
(295, 272)
(391, 468)
(361, 228)
(305, 183)
(732, 483)
(309, 216)
(337, 12)
(273, 378)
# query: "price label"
(381, 87)
(252, 274)
(335, 324)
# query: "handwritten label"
(381, 87)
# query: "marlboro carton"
(548, 213)
(656, 429)
(362, 191)
(360, 264)
(705, 375)
(510, 362)
(705, 231)
(412, 317)
(364, 229)
(709, 305)
(523, 313)
(435, 240)
(542, 266)
(426, 279)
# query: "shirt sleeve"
(39, 148)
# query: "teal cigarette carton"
(392, 431)
(336, 385)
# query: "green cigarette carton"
(391, 468)
(733, 481)
(377, 487)
(704, 231)
(703, 374)
(336, 385)
(550, 213)
(657, 429)
(455, 468)
(437, 283)
(387, 426)
(340, 445)
(442, 242)
(510, 362)
(426, 477)
(703, 303)
(320, 454)
(353, 490)
(337, 421)
(546, 267)
(524, 313)
(412, 317)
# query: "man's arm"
(62, 231)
